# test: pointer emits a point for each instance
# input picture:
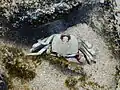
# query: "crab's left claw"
(39, 52)
(41, 44)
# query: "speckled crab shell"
(55, 46)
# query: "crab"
(64, 45)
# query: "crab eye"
(65, 37)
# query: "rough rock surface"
(50, 77)
(34, 11)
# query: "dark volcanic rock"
(36, 12)
(28, 22)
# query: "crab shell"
(56, 46)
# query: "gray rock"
(37, 9)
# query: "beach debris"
(63, 45)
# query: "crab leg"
(70, 56)
(43, 42)
(38, 45)
(40, 52)
(86, 56)
(49, 39)
(86, 49)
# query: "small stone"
(101, 1)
